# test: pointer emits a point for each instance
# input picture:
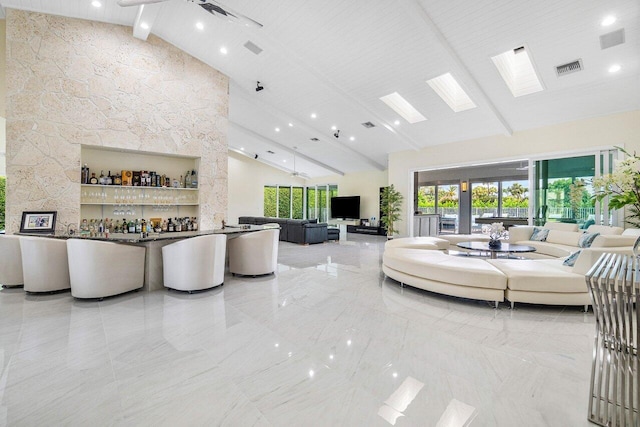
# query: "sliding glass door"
(563, 191)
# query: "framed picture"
(38, 222)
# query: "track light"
(258, 87)
(256, 157)
(337, 133)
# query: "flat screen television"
(345, 207)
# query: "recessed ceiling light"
(448, 88)
(313, 115)
(223, 50)
(608, 20)
(352, 138)
(200, 25)
(333, 128)
(401, 106)
(516, 68)
(144, 25)
(96, 3)
(290, 125)
(397, 123)
(242, 148)
(277, 129)
(615, 68)
(284, 161)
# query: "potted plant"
(622, 187)
(391, 206)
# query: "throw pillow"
(571, 259)
(539, 234)
(587, 239)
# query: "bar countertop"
(136, 238)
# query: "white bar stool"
(10, 261)
(255, 253)
(194, 264)
(103, 269)
(45, 267)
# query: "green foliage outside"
(563, 193)
(281, 207)
(3, 183)
(270, 208)
(482, 196)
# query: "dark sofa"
(303, 231)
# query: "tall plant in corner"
(391, 206)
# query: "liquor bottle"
(178, 224)
(102, 180)
(138, 226)
(170, 227)
(125, 226)
(85, 174)
(117, 180)
(108, 180)
(195, 224)
(187, 180)
(165, 226)
(194, 179)
(100, 228)
(132, 227)
(181, 181)
(93, 179)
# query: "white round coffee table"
(507, 248)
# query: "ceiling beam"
(416, 9)
(236, 90)
(282, 147)
(145, 18)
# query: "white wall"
(621, 129)
(247, 178)
(364, 184)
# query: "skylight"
(517, 71)
(451, 92)
(401, 106)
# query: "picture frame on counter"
(40, 222)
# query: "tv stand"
(362, 229)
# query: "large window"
(563, 190)
(283, 201)
(508, 198)
(443, 199)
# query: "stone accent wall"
(73, 82)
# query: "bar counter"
(153, 274)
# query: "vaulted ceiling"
(335, 59)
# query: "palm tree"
(390, 206)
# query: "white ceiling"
(337, 58)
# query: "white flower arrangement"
(495, 231)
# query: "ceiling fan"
(296, 174)
(213, 7)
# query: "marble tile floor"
(328, 341)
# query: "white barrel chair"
(255, 253)
(45, 267)
(194, 264)
(10, 261)
(103, 269)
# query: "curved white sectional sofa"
(423, 263)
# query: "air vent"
(612, 39)
(315, 139)
(368, 125)
(253, 47)
(569, 68)
(270, 152)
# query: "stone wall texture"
(72, 82)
